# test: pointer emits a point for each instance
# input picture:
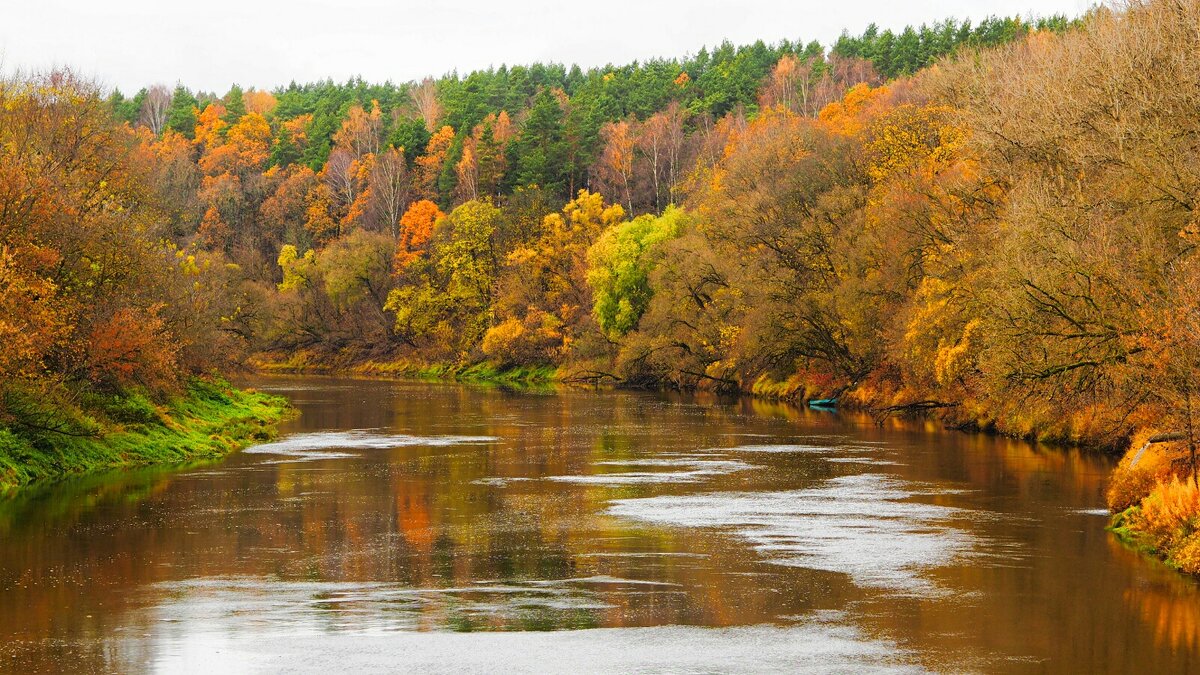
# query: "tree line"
(858, 223)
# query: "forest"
(990, 223)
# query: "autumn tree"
(429, 165)
(467, 172)
(244, 148)
(1072, 263)
(284, 211)
(331, 205)
(619, 267)
(550, 275)
(787, 199)
(782, 88)
(446, 304)
(361, 130)
(232, 163)
(614, 168)
(481, 168)
(415, 229)
(492, 138)
(690, 333)
(334, 298)
(210, 126)
(258, 101)
(90, 298)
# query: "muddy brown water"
(403, 526)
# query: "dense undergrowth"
(209, 419)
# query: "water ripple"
(328, 444)
(862, 525)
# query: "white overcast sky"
(210, 44)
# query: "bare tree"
(155, 107)
(390, 189)
(424, 97)
(806, 82)
(339, 176)
(614, 168)
(660, 140)
(780, 87)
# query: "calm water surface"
(426, 527)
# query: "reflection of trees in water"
(53, 581)
(1175, 621)
(1163, 601)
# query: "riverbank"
(209, 419)
(1155, 500)
(874, 397)
(797, 389)
(1163, 526)
(312, 363)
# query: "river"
(441, 527)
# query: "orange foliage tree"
(416, 228)
(429, 165)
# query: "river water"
(437, 527)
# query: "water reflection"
(649, 530)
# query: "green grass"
(208, 420)
(487, 373)
(525, 378)
(1126, 527)
(476, 373)
(1121, 525)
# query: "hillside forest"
(993, 223)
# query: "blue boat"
(823, 403)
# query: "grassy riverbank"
(1156, 503)
(207, 420)
(1163, 525)
(302, 362)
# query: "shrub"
(129, 409)
(1128, 487)
(1168, 514)
(534, 341)
(1187, 554)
